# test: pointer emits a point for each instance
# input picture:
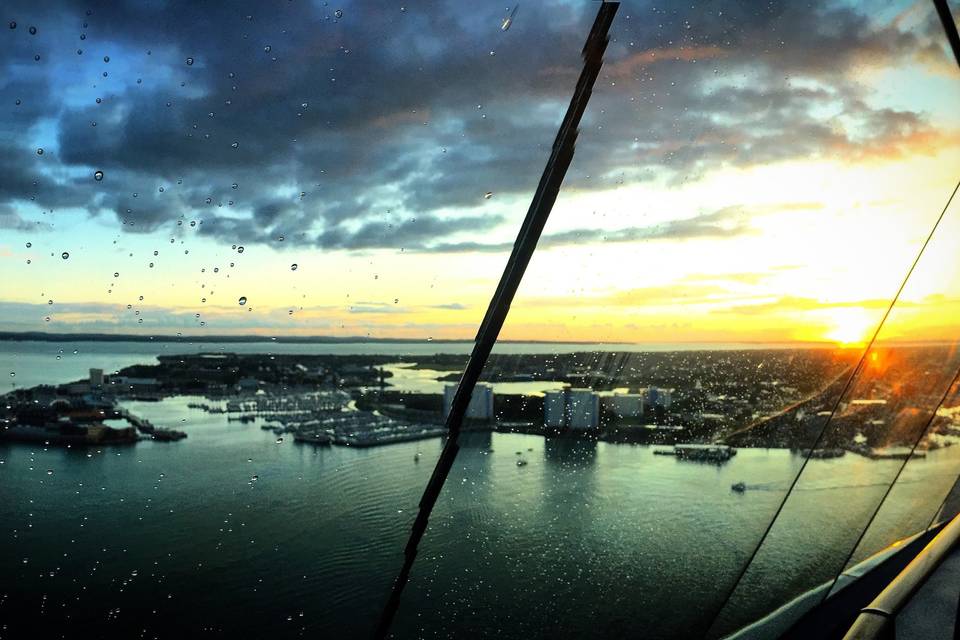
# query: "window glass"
(245, 250)
(897, 409)
(751, 212)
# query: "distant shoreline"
(41, 336)
(680, 345)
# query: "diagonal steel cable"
(526, 243)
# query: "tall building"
(555, 409)
(577, 409)
(626, 405)
(96, 377)
(656, 396)
(583, 409)
(481, 402)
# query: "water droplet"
(98, 175)
(49, 472)
(254, 478)
(488, 195)
(234, 186)
(39, 151)
(64, 255)
(235, 145)
(267, 49)
(106, 58)
(116, 274)
(293, 267)
(338, 14)
(13, 24)
(243, 300)
(189, 61)
(280, 440)
(240, 249)
(33, 31)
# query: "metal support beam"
(543, 199)
(949, 26)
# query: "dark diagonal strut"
(943, 9)
(523, 248)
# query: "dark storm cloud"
(413, 234)
(346, 130)
(724, 223)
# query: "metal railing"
(877, 621)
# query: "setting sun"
(850, 326)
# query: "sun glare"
(849, 326)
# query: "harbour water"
(231, 533)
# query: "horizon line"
(44, 336)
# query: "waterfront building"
(657, 397)
(583, 409)
(555, 408)
(247, 384)
(625, 405)
(481, 402)
(577, 409)
(127, 383)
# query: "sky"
(745, 171)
